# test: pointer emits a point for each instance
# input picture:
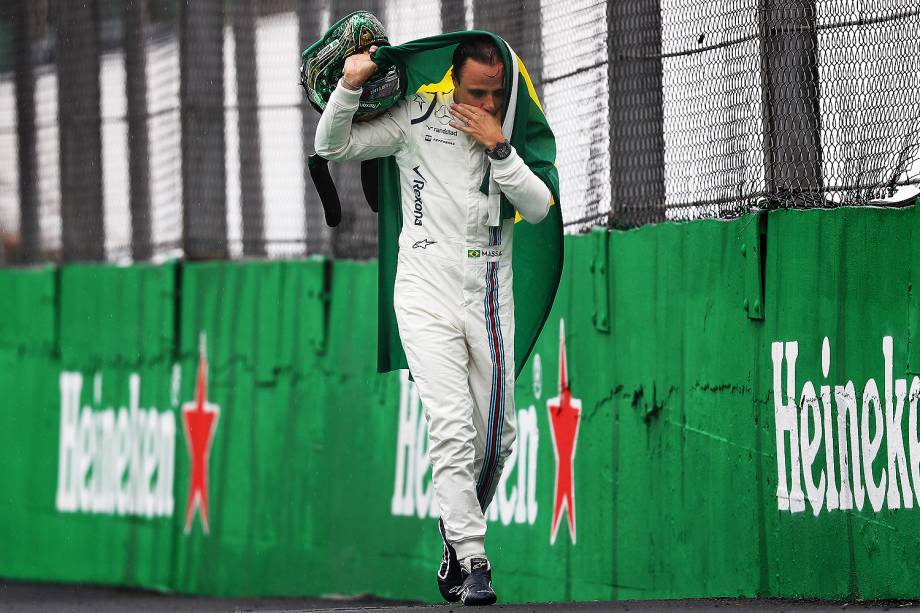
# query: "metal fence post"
(134, 26)
(244, 32)
(83, 230)
(634, 75)
(201, 94)
(791, 111)
(29, 237)
(453, 16)
(318, 234)
(356, 235)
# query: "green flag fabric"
(537, 257)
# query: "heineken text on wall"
(842, 443)
(114, 461)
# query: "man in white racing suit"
(453, 288)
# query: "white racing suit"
(453, 289)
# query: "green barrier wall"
(294, 469)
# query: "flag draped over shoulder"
(537, 257)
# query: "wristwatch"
(499, 151)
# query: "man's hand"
(477, 123)
(358, 69)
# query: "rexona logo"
(515, 499)
(114, 461)
(417, 186)
(845, 444)
(564, 417)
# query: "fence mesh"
(134, 130)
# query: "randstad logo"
(835, 442)
(413, 494)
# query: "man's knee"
(451, 452)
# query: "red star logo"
(564, 415)
(199, 419)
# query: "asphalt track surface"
(35, 597)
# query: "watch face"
(501, 151)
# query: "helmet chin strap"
(329, 195)
(369, 183)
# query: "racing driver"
(453, 289)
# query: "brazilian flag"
(537, 259)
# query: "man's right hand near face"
(358, 69)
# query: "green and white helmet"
(322, 64)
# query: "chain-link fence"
(147, 129)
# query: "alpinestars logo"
(564, 417)
(199, 419)
(417, 186)
(423, 244)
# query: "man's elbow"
(325, 150)
(536, 215)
